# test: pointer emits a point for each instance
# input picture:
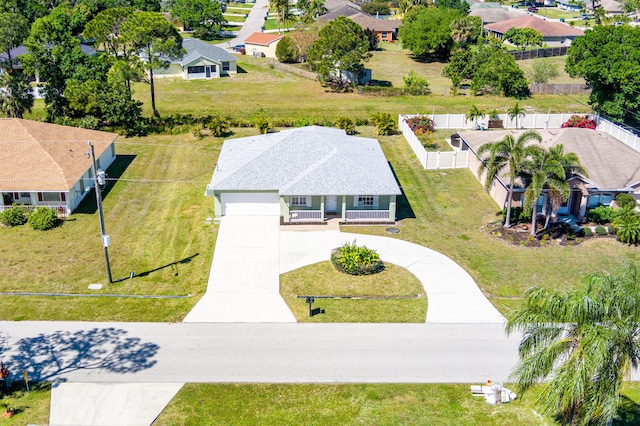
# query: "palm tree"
(544, 171)
(473, 114)
(16, 95)
(508, 153)
(581, 345)
(515, 112)
(279, 6)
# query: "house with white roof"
(201, 61)
(307, 174)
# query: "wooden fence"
(558, 89)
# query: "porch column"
(322, 207)
(583, 206)
(344, 208)
(284, 208)
(392, 208)
(217, 205)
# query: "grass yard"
(30, 407)
(562, 78)
(234, 18)
(155, 214)
(322, 279)
(445, 211)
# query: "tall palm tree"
(544, 172)
(16, 95)
(508, 153)
(515, 112)
(473, 114)
(581, 345)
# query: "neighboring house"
(21, 50)
(307, 174)
(202, 61)
(346, 10)
(47, 164)
(611, 7)
(384, 29)
(491, 15)
(612, 167)
(262, 44)
(553, 33)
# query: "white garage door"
(250, 204)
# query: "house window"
(50, 196)
(25, 195)
(195, 70)
(365, 201)
(225, 66)
(385, 35)
(300, 201)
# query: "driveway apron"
(244, 282)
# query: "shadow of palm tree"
(628, 412)
(50, 356)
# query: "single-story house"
(21, 50)
(384, 29)
(611, 7)
(306, 174)
(613, 167)
(346, 10)
(202, 61)
(553, 33)
(262, 44)
(491, 15)
(44, 164)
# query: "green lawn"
(30, 407)
(234, 18)
(322, 279)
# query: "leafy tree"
(427, 31)
(415, 84)
(516, 111)
(13, 30)
(205, 16)
(286, 50)
(523, 37)
(16, 94)
(580, 345)
(106, 27)
(608, 58)
(311, 9)
(155, 39)
(473, 114)
(342, 46)
(466, 30)
(508, 153)
(460, 5)
(372, 38)
(376, 7)
(543, 71)
(304, 40)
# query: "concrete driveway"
(244, 281)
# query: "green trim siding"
(384, 201)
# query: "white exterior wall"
(174, 70)
(260, 50)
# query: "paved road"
(253, 23)
(177, 353)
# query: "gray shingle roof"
(305, 161)
(196, 48)
(611, 164)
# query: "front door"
(207, 71)
(332, 203)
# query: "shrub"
(586, 231)
(219, 126)
(384, 122)
(14, 216)
(601, 215)
(627, 226)
(376, 7)
(625, 200)
(421, 124)
(545, 237)
(356, 260)
(416, 85)
(287, 51)
(43, 219)
(262, 124)
(518, 215)
(580, 121)
(601, 230)
(346, 124)
(612, 230)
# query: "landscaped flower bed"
(421, 124)
(580, 121)
(557, 234)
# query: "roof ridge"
(332, 153)
(367, 171)
(40, 143)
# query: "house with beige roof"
(554, 34)
(43, 164)
(262, 44)
(384, 29)
(613, 167)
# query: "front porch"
(319, 209)
(62, 209)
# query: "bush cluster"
(43, 219)
(601, 215)
(384, 122)
(15, 216)
(625, 200)
(421, 124)
(580, 121)
(347, 124)
(356, 260)
(518, 215)
(586, 231)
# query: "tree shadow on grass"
(49, 357)
(628, 413)
(403, 207)
(114, 172)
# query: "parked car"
(239, 48)
(586, 16)
(532, 9)
(296, 12)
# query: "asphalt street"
(281, 353)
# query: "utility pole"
(105, 238)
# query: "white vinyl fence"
(460, 159)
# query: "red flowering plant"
(421, 124)
(4, 371)
(580, 121)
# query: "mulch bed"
(558, 234)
